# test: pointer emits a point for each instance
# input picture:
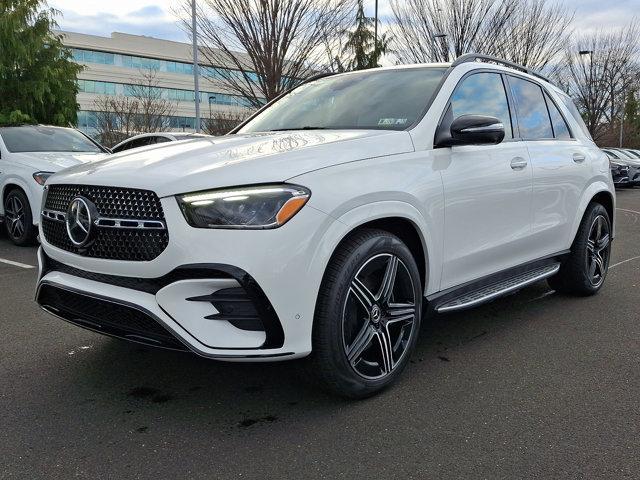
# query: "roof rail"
(472, 57)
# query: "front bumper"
(278, 271)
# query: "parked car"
(628, 159)
(146, 139)
(322, 225)
(29, 154)
(620, 173)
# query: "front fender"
(360, 215)
(33, 193)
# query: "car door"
(487, 190)
(560, 166)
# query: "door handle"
(518, 163)
(579, 158)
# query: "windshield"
(46, 139)
(381, 99)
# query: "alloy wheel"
(378, 316)
(598, 249)
(14, 216)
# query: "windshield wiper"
(297, 128)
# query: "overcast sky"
(157, 19)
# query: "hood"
(206, 163)
(54, 161)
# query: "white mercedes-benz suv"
(329, 223)
(29, 154)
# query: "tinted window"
(135, 143)
(560, 127)
(383, 99)
(46, 139)
(533, 117)
(611, 154)
(161, 139)
(482, 94)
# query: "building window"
(91, 56)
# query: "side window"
(560, 127)
(533, 117)
(162, 139)
(122, 147)
(483, 94)
(576, 115)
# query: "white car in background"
(147, 139)
(29, 154)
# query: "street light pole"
(196, 72)
(624, 105)
(445, 50)
(375, 31)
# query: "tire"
(18, 219)
(355, 317)
(584, 271)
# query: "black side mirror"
(472, 130)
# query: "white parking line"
(627, 210)
(624, 261)
(15, 264)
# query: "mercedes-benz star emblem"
(79, 221)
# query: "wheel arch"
(398, 218)
(596, 192)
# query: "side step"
(495, 290)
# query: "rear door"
(560, 165)
(487, 190)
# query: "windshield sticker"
(392, 121)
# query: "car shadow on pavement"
(141, 379)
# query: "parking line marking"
(15, 264)
(627, 210)
(624, 261)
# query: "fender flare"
(15, 181)
(354, 218)
(588, 194)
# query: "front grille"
(111, 202)
(106, 317)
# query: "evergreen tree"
(37, 75)
(361, 46)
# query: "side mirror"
(472, 130)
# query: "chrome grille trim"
(105, 222)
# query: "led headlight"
(41, 177)
(252, 207)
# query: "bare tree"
(600, 70)
(221, 123)
(267, 46)
(436, 30)
(536, 34)
(142, 109)
(529, 32)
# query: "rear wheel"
(585, 270)
(18, 218)
(368, 315)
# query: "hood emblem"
(79, 220)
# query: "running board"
(495, 290)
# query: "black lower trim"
(265, 311)
(440, 298)
(106, 317)
(70, 316)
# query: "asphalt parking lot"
(536, 385)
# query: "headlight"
(41, 177)
(252, 207)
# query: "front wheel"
(585, 269)
(18, 218)
(367, 316)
